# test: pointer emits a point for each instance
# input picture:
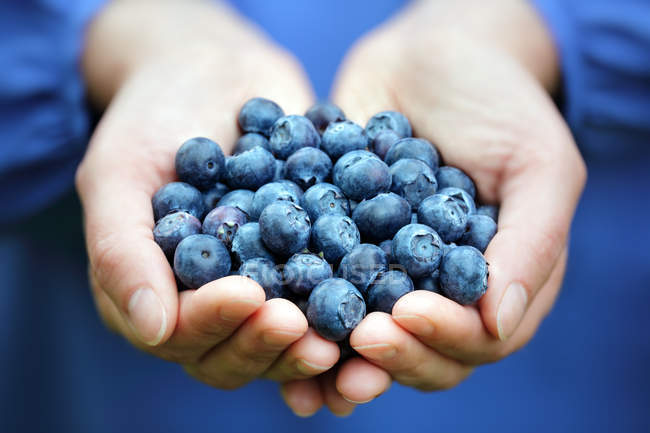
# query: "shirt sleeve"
(604, 49)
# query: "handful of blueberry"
(291, 208)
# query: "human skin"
(475, 78)
(160, 85)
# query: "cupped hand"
(471, 78)
(162, 85)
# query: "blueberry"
(381, 217)
(308, 166)
(445, 215)
(414, 218)
(353, 205)
(247, 244)
(177, 196)
(479, 232)
(259, 115)
(223, 222)
(335, 308)
(362, 265)
(200, 162)
(387, 248)
(200, 259)
(273, 191)
(388, 120)
(448, 247)
(454, 177)
(462, 197)
(279, 170)
(430, 283)
(324, 198)
(413, 180)
(342, 137)
(173, 228)
(242, 199)
(383, 141)
(463, 275)
(334, 236)
(304, 271)
(212, 196)
(322, 114)
(489, 210)
(251, 140)
(387, 288)
(266, 274)
(418, 248)
(291, 133)
(361, 175)
(416, 148)
(250, 169)
(285, 228)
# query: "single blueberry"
(479, 232)
(418, 248)
(247, 244)
(381, 217)
(177, 196)
(415, 148)
(279, 170)
(430, 283)
(290, 133)
(266, 274)
(335, 308)
(173, 228)
(413, 180)
(285, 228)
(324, 198)
(249, 141)
(462, 197)
(259, 115)
(489, 210)
(387, 248)
(387, 288)
(267, 194)
(308, 166)
(250, 169)
(200, 162)
(361, 175)
(212, 196)
(445, 215)
(388, 120)
(334, 236)
(454, 177)
(323, 113)
(223, 222)
(200, 259)
(463, 275)
(362, 265)
(242, 199)
(303, 272)
(342, 137)
(383, 141)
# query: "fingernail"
(379, 351)
(415, 324)
(511, 310)
(238, 310)
(357, 402)
(309, 368)
(147, 316)
(280, 338)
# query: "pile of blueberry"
(339, 219)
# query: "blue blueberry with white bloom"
(382, 216)
(334, 236)
(479, 232)
(308, 167)
(250, 169)
(362, 265)
(413, 180)
(445, 215)
(454, 177)
(387, 288)
(303, 272)
(177, 196)
(324, 198)
(266, 274)
(361, 175)
(259, 115)
(335, 307)
(247, 244)
(342, 137)
(290, 133)
(242, 199)
(249, 141)
(416, 148)
(418, 248)
(285, 228)
(464, 275)
(171, 229)
(200, 259)
(388, 120)
(323, 113)
(200, 162)
(267, 194)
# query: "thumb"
(125, 261)
(538, 200)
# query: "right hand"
(161, 90)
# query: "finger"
(333, 399)
(383, 342)
(458, 332)
(307, 357)
(251, 350)
(359, 381)
(303, 397)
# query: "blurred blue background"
(585, 370)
